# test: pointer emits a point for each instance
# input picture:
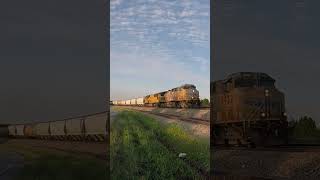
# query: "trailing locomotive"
(185, 96)
(248, 109)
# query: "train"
(92, 127)
(185, 96)
(248, 110)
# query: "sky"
(280, 38)
(158, 45)
(53, 60)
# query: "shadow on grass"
(63, 167)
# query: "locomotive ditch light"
(284, 114)
(263, 114)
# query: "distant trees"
(304, 127)
(205, 102)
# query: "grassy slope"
(143, 148)
(53, 165)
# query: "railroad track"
(161, 107)
(171, 116)
(282, 148)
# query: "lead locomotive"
(248, 109)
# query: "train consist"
(248, 109)
(90, 128)
(185, 96)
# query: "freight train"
(247, 109)
(91, 127)
(185, 96)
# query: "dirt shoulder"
(270, 164)
(200, 130)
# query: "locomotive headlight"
(263, 114)
(284, 114)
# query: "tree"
(305, 127)
(205, 102)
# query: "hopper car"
(89, 128)
(248, 110)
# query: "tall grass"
(142, 148)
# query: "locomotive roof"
(187, 86)
(251, 75)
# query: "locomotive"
(185, 96)
(247, 109)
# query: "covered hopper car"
(90, 127)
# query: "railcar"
(248, 110)
(74, 129)
(127, 102)
(12, 130)
(90, 127)
(133, 102)
(29, 131)
(140, 101)
(4, 130)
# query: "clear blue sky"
(159, 45)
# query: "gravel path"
(270, 164)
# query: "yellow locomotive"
(248, 109)
(185, 96)
(155, 99)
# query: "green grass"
(142, 148)
(55, 167)
(45, 164)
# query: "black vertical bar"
(107, 20)
(213, 18)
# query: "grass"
(43, 164)
(142, 148)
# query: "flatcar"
(248, 109)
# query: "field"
(46, 164)
(143, 148)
